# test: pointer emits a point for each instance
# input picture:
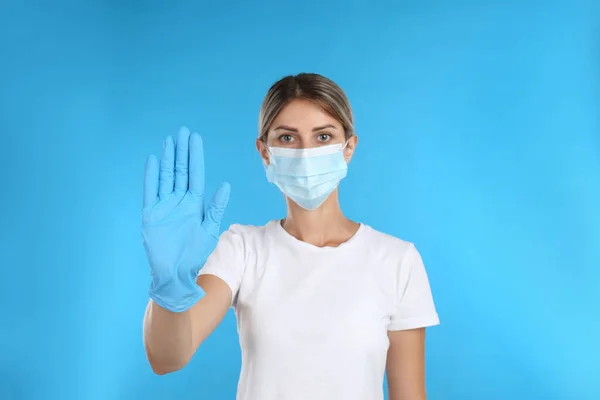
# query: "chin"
(293, 206)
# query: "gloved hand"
(178, 234)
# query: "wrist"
(175, 296)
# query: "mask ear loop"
(269, 153)
(343, 148)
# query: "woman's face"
(302, 124)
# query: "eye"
(286, 138)
(324, 137)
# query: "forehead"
(303, 114)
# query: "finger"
(216, 209)
(167, 165)
(196, 165)
(150, 182)
(181, 160)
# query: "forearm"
(397, 395)
(168, 338)
(406, 365)
(406, 389)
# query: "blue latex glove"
(178, 233)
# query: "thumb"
(216, 209)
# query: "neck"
(324, 226)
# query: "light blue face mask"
(307, 176)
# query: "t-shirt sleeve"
(415, 306)
(227, 261)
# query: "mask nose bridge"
(304, 148)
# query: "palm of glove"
(176, 242)
(178, 233)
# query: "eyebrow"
(318, 128)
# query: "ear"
(350, 147)
(263, 151)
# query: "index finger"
(196, 167)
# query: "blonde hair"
(306, 86)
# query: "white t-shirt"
(313, 322)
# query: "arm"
(405, 366)
(406, 355)
(181, 236)
(171, 339)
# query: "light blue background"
(479, 128)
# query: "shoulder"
(247, 234)
(245, 242)
(247, 231)
(391, 258)
(396, 264)
(389, 246)
(235, 246)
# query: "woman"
(324, 305)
